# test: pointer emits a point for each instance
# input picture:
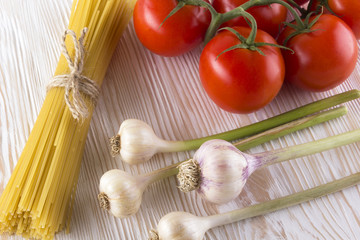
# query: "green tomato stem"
(283, 202)
(216, 21)
(251, 39)
(218, 18)
(200, 3)
(272, 122)
(260, 138)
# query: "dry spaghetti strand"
(39, 196)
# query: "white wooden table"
(167, 94)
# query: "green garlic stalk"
(185, 226)
(136, 141)
(121, 192)
(219, 171)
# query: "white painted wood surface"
(167, 94)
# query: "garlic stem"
(219, 171)
(137, 142)
(266, 136)
(121, 193)
(185, 226)
(280, 155)
(162, 173)
(284, 202)
(290, 127)
(278, 120)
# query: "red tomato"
(268, 18)
(241, 80)
(347, 10)
(323, 59)
(179, 34)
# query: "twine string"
(75, 82)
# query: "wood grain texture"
(167, 94)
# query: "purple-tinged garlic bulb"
(218, 171)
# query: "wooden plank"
(167, 94)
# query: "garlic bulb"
(180, 226)
(136, 142)
(222, 171)
(219, 171)
(115, 184)
(185, 226)
(121, 193)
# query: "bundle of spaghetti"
(38, 199)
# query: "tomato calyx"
(217, 19)
(248, 43)
(303, 28)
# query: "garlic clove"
(121, 193)
(138, 142)
(180, 226)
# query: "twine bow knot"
(75, 82)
